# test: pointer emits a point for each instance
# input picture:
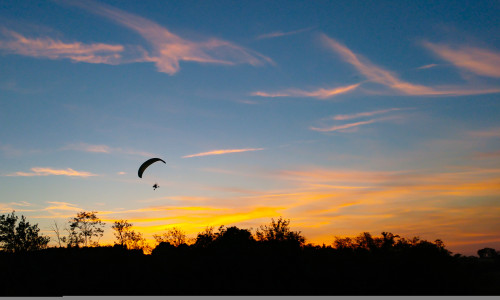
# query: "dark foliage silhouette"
(84, 227)
(20, 236)
(174, 236)
(487, 253)
(232, 261)
(127, 237)
(278, 234)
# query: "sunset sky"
(342, 116)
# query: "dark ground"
(245, 270)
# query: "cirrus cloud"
(389, 79)
(96, 53)
(321, 93)
(104, 149)
(223, 151)
(49, 172)
(476, 60)
(168, 49)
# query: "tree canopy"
(20, 236)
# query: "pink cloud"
(352, 126)
(50, 171)
(476, 60)
(96, 53)
(363, 114)
(224, 151)
(104, 149)
(344, 126)
(276, 34)
(427, 66)
(387, 78)
(319, 93)
(169, 49)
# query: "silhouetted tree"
(57, 231)
(129, 238)
(174, 236)
(84, 227)
(20, 238)
(206, 238)
(136, 241)
(388, 240)
(121, 228)
(367, 242)
(346, 243)
(487, 253)
(233, 238)
(279, 231)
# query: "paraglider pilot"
(146, 164)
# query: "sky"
(342, 116)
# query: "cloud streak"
(319, 93)
(427, 66)
(344, 126)
(355, 125)
(64, 206)
(363, 114)
(478, 61)
(389, 79)
(50, 172)
(169, 49)
(223, 151)
(276, 34)
(104, 149)
(96, 53)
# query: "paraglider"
(145, 165)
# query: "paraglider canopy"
(146, 164)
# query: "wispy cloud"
(104, 149)
(9, 207)
(50, 172)
(88, 148)
(427, 66)
(17, 206)
(349, 125)
(486, 133)
(276, 34)
(97, 53)
(364, 114)
(354, 126)
(319, 93)
(223, 151)
(64, 206)
(169, 49)
(21, 203)
(384, 77)
(482, 62)
(250, 102)
(270, 95)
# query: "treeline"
(274, 260)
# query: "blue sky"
(342, 116)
